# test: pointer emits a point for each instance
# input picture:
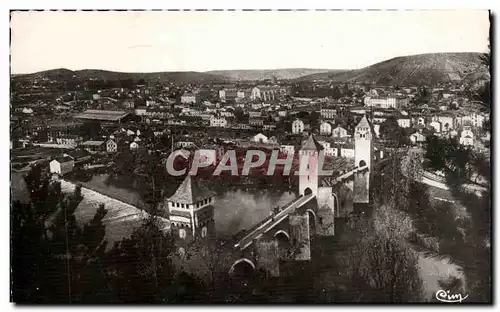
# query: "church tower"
(363, 154)
(309, 166)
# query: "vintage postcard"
(175, 157)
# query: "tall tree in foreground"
(50, 252)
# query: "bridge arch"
(362, 163)
(312, 221)
(307, 191)
(242, 266)
(282, 233)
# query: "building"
(69, 139)
(62, 165)
(228, 94)
(467, 137)
(267, 93)
(386, 102)
(297, 126)
(417, 138)
(328, 113)
(436, 125)
(260, 138)
(103, 116)
(134, 146)
(404, 122)
(269, 127)
(325, 128)
(287, 149)
(219, 122)
(254, 114)
(94, 146)
(190, 212)
(340, 132)
(256, 121)
(447, 122)
(347, 152)
(111, 146)
(363, 153)
(188, 98)
(244, 93)
(328, 149)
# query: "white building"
(347, 152)
(328, 113)
(417, 137)
(62, 165)
(297, 126)
(260, 138)
(287, 149)
(219, 122)
(386, 102)
(188, 98)
(467, 137)
(133, 146)
(328, 149)
(339, 132)
(404, 122)
(447, 122)
(436, 125)
(325, 128)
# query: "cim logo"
(445, 296)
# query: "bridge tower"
(309, 166)
(363, 154)
(191, 212)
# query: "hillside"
(413, 70)
(261, 74)
(63, 74)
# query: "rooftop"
(104, 115)
(310, 144)
(190, 192)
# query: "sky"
(202, 41)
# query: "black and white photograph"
(250, 157)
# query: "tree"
(391, 131)
(139, 268)
(51, 254)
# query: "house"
(111, 146)
(69, 139)
(297, 126)
(417, 137)
(260, 138)
(339, 132)
(244, 93)
(347, 152)
(219, 122)
(436, 125)
(328, 149)
(404, 122)
(62, 165)
(254, 114)
(93, 146)
(467, 137)
(328, 113)
(282, 113)
(447, 122)
(325, 128)
(80, 156)
(256, 121)
(269, 127)
(287, 149)
(134, 146)
(395, 102)
(188, 98)
(228, 94)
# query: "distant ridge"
(428, 68)
(262, 74)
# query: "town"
(253, 186)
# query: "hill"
(413, 70)
(262, 74)
(178, 77)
